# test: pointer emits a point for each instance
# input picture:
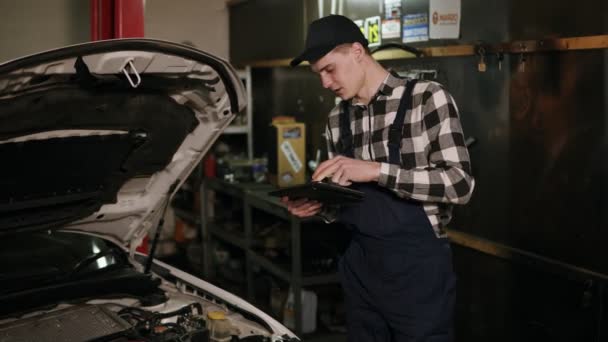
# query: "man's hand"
(344, 171)
(302, 207)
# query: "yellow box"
(287, 155)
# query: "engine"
(113, 322)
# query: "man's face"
(340, 72)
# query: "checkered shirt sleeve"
(446, 177)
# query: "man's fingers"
(304, 213)
(307, 206)
(294, 204)
(302, 206)
(342, 175)
(337, 175)
(343, 178)
(321, 169)
(328, 171)
(310, 211)
(298, 202)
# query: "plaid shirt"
(435, 167)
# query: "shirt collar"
(391, 81)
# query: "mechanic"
(399, 141)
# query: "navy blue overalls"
(396, 274)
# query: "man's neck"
(374, 77)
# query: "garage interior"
(531, 82)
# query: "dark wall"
(540, 161)
(546, 18)
(266, 29)
(501, 301)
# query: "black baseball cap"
(325, 34)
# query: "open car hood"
(97, 137)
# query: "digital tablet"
(320, 192)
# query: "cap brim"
(311, 55)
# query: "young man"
(400, 142)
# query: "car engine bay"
(182, 317)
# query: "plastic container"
(309, 311)
(220, 329)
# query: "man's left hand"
(344, 171)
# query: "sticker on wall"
(415, 27)
(392, 9)
(445, 19)
(391, 28)
(291, 156)
(361, 25)
(372, 26)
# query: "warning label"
(291, 156)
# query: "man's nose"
(325, 81)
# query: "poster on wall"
(445, 19)
(361, 25)
(415, 27)
(391, 28)
(391, 23)
(372, 27)
(392, 9)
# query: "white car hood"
(97, 137)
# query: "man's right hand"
(302, 207)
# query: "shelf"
(226, 236)
(237, 190)
(236, 130)
(255, 196)
(269, 266)
(224, 187)
(260, 200)
(187, 215)
(326, 278)
(512, 47)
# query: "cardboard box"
(287, 153)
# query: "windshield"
(40, 258)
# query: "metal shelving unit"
(229, 237)
(187, 215)
(247, 128)
(254, 196)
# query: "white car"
(95, 139)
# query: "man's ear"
(358, 51)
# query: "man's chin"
(341, 95)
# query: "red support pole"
(128, 18)
(102, 19)
(94, 15)
(117, 19)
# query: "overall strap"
(346, 135)
(395, 132)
